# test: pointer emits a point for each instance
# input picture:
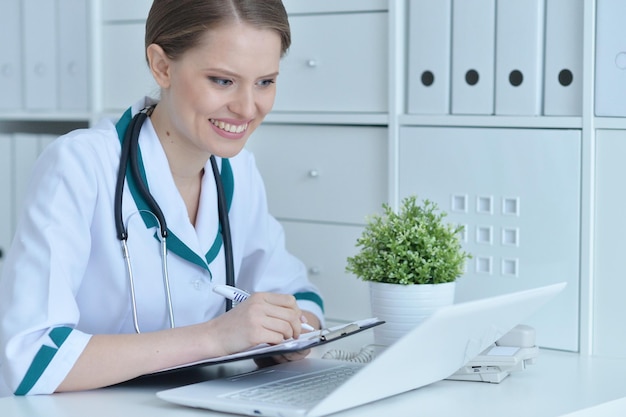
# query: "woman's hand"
(287, 357)
(263, 318)
(308, 318)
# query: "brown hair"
(178, 25)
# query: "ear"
(159, 65)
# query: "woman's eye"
(220, 81)
(267, 83)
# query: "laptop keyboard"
(302, 391)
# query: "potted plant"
(411, 259)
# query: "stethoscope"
(129, 160)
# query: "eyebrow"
(235, 75)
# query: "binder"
(40, 51)
(10, 58)
(519, 57)
(610, 58)
(429, 56)
(473, 48)
(563, 70)
(72, 60)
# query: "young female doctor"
(68, 320)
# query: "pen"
(231, 293)
(235, 294)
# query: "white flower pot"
(403, 307)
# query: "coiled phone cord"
(366, 354)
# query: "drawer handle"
(315, 270)
(314, 173)
(311, 63)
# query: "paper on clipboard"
(305, 341)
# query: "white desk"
(558, 384)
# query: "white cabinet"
(517, 193)
(6, 209)
(324, 249)
(322, 173)
(72, 58)
(322, 182)
(341, 141)
(125, 74)
(10, 56)
(40, 52)
(124, 10)
(25, 149)
(327, 69)
(610, 58)
(609, 289)
(18, 153)
(44, 67)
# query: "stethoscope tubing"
(222, 210)
(129, 158)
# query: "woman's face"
(221, 90)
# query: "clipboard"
(305, 341)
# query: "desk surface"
(558, 384)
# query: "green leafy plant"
(413, 246)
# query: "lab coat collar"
(175, 244)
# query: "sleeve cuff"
(53, 362)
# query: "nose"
(243, 103)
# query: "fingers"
(278, 313)
(296, 356)
(263, 318)
(287, 357)
(310, 320)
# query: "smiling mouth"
(230, 128)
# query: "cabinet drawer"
(326, 71)
(322, 173)
(324, 249)
(125, 74)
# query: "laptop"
(432, 351)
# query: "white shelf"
(610, 123)
(46, 117)
(539, 122)
(368, 119)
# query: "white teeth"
(228, 127)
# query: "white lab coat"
(64, 277)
